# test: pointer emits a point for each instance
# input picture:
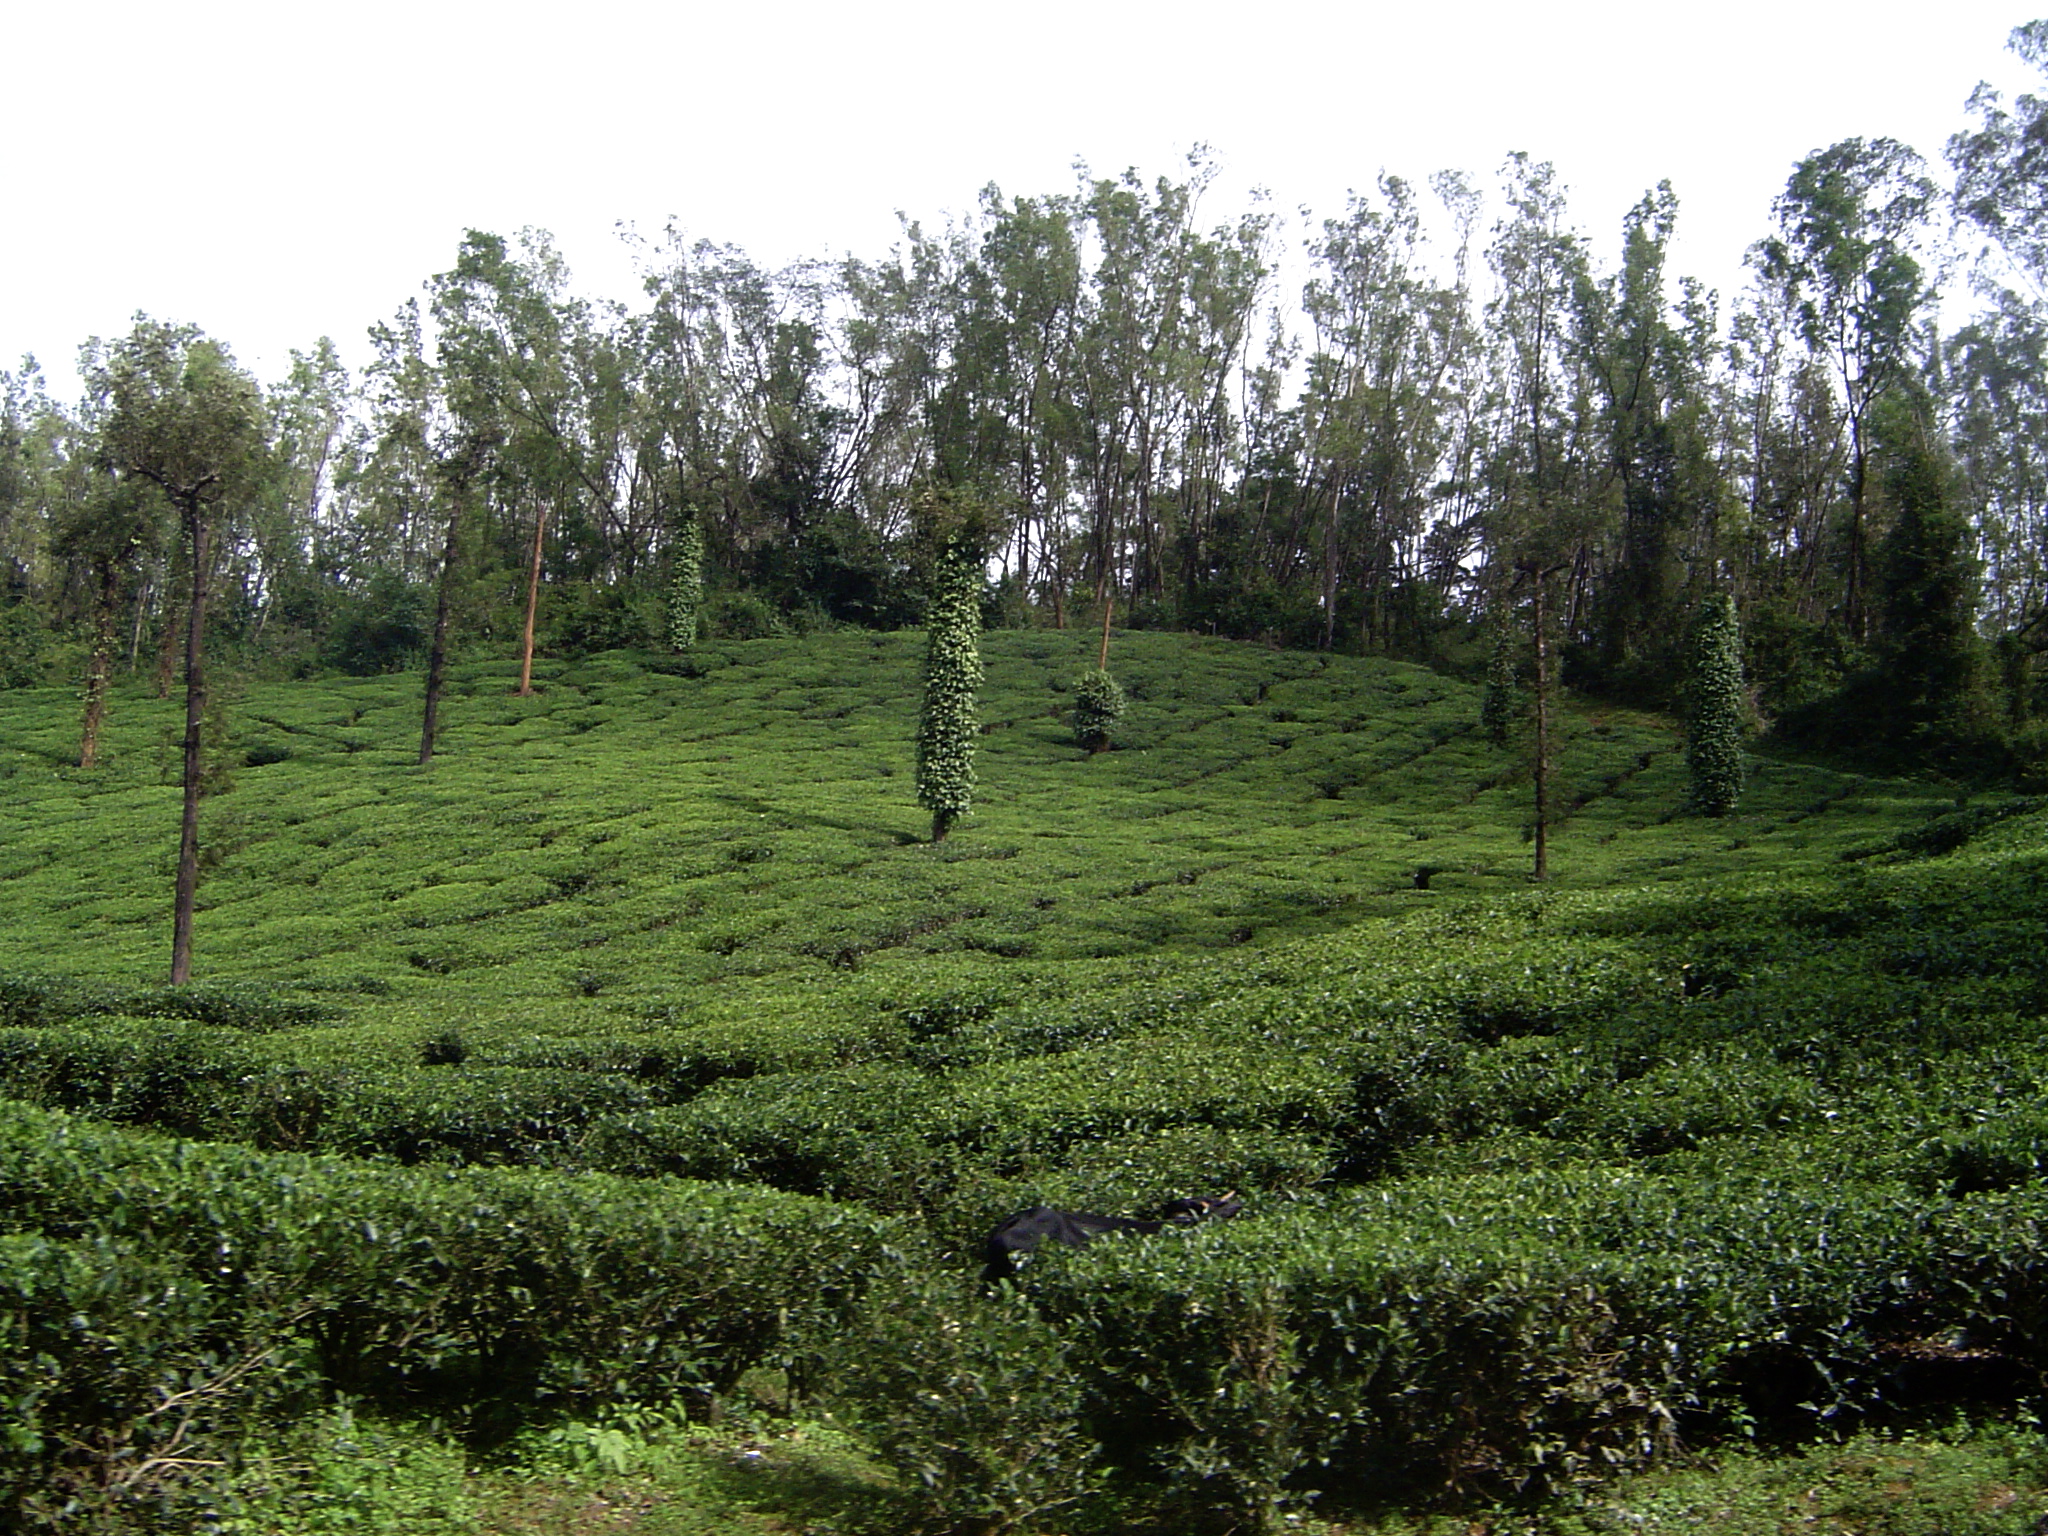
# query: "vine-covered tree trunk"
(1540, 620)
(952, 672)
(685, 584)
(1713, 747)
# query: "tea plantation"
(639, 1077)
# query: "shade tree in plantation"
(685, 582)
(1378, 417)
(1852, 222)
(1650, 361)
(1454, 399)
(103, 528)
(1930, 658)
(172, 409)
(955, 533)
(1500, 701)
(1716, 707)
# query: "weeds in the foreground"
(657, 1474)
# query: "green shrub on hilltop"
(1098, 705)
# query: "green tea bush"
(1098, 705)
(202, 1080)
(247, 1277)
(125, 1372)
(2006, 1152)
(973, 1400)
(1495, 1334)
(191, 1079)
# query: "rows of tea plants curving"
(1733, 1129)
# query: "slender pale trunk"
(99, 667)
(540, 528)
(167, 648)
(195, 714)
(437, 656)
(1108, 609)
(1542, 736)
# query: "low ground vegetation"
(642, 1058)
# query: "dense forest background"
(1465, 392)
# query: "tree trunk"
(540, 528)
(1542, 735)
(99, 667)
(195, 713)
(437, 656)
(167, 647)
(1108, 609)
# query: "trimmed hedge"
(139, 1272)
(202, 1080)
(1495, 1335)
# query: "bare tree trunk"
(99, 668)
(167, 647)
(187, 893)
(540, 528)
(1108, 609)
(1542, 732)
(437, 656)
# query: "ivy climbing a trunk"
(685, 583)
(952, 671)
(1713, 748)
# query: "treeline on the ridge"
(1457, 402)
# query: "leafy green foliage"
(685, 584)
(484, 1293)
(946, 725)
(974, 1402)
(1098, 705)
(1501, 704)
(1717, 704)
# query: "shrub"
(1098, 706)
(972, 1399)
(155, 1272)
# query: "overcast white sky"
(276, 171)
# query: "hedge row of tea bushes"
(161, 1299)
(1897, 1001)
(1501, 1333)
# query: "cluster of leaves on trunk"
(947, 726)
(1713, 749)
(1501, 702)
(685, 584)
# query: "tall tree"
(175, 411)
(1661, 491)
(1929, 656)
(104, 526)
(1376, 406)
(1850, 221)
(2001, 165)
